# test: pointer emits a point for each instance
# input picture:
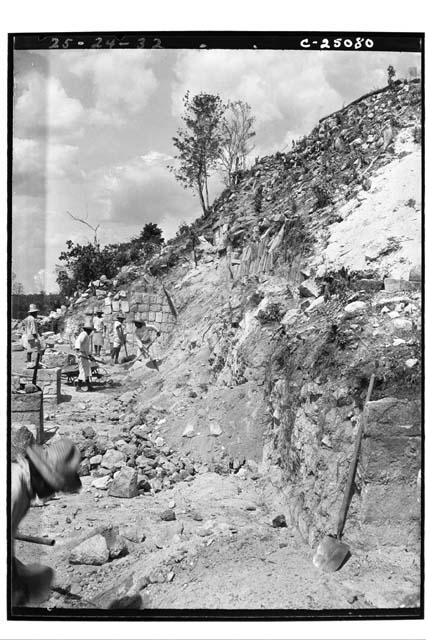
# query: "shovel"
(127, 358)
(143, 356)
(332, 552)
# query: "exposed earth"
(221, 552)
(209, 482)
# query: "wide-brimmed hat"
(58, 464)
(121, 316)
(88, 324)
(33, 308)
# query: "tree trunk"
(201, 195)
(207, 190)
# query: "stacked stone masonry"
(49, 381)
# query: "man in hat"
(31, 337)
(40, 473)
(143, 336)
(82, 347)
(119, 337)
(99, 332)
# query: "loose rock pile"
(133, 463)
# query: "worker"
(39, 473)
(143, 336)
(31, 337)
(99, 332)
(119, 337)
(82, 347)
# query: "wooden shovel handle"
(352, 469)
(36, 540)
(37, 363)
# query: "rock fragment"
(93, 551)
(125, 484)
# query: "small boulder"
(215, 429)
(189, 431)
(101, 483)
(168, 515)
(92, 551)
(95, 460)
(308, 289)
(111, 458)
(116, 543)
(84, 469)
(21, 439)
(355, 308)
(279, 522)
(132, 533)
(125, 484)
(89, 431)
(402, 324)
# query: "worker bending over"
(40, 473)
(143, 336)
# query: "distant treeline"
(46, 302)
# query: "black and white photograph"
(215, 328)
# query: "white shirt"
(98, 323)
(82, 343)
(118, 338)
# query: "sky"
(92, 133)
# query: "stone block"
(415, 274)
(115, 305)
(27, 408)
(158, 317)
(381, 504)
(125, 307)
(392, 285)
(137, 297)
(368, 284)
(392, 417)
(151, 316)
(125, 484)
(143, 308)
(390, 460)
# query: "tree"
(391, 74)
(152, 233)
(82, 263)
(198, 144)
(236, 132)
(17, 287)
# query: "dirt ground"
(221, 552)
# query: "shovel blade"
(331, 554)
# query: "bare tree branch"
(236, 132)
(94, 229)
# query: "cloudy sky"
(93, 132)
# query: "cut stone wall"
(49, 381)
(390, 462)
